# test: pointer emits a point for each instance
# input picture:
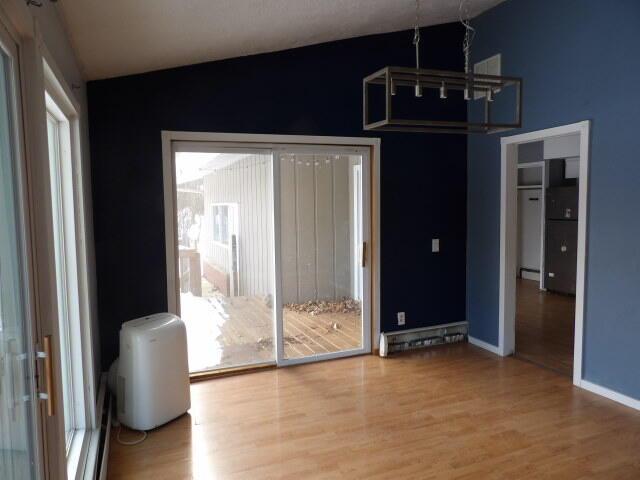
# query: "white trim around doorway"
(508, 233)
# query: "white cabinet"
(529, 232)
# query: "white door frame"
(508, 236)
(275, 142)
(11, 47)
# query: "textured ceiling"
(120, 37)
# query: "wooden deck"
(240, 332)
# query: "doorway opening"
(267, 264)
(548, 172)
(543, 244)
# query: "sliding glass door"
(323, 274)
(270, 252)
(224, 227)
(17, 393)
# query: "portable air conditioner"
(152, 386)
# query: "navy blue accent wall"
(315, 90)
(579, 61)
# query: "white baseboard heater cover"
(415, 338)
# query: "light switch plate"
(435, 245)
(401, 318)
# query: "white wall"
(316, 225)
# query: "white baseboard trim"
(531, 275)
(591, 387)
(610, 394)
(487, 346)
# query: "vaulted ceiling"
(120, 37)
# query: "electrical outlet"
(435, 245)
(401, 318)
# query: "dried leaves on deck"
(346, 305)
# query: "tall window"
(71, 287)
(57, 130)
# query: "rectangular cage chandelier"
(471, 86)
(443, 81)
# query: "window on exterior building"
(220, 216)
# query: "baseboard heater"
(95, 466)
(415, 338)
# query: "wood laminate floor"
(449, 412)
(545, 324)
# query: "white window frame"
(232, 222)
(66, 305)
(355, 178)
(60, 104)
(230, 229)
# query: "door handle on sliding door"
(11, 355)
(49, 395)
(364, 254)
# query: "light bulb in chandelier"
(490, 95)
(443, 91)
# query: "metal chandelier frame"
(468, 82)
(488, 85)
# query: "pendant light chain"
(416, 34)
(416, 42)
(469, 33)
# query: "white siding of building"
(316, 203)
(246, 183)
(316, 227)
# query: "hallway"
(544, 327)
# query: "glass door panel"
(224, 232)
(321, 250)
(17, 458)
